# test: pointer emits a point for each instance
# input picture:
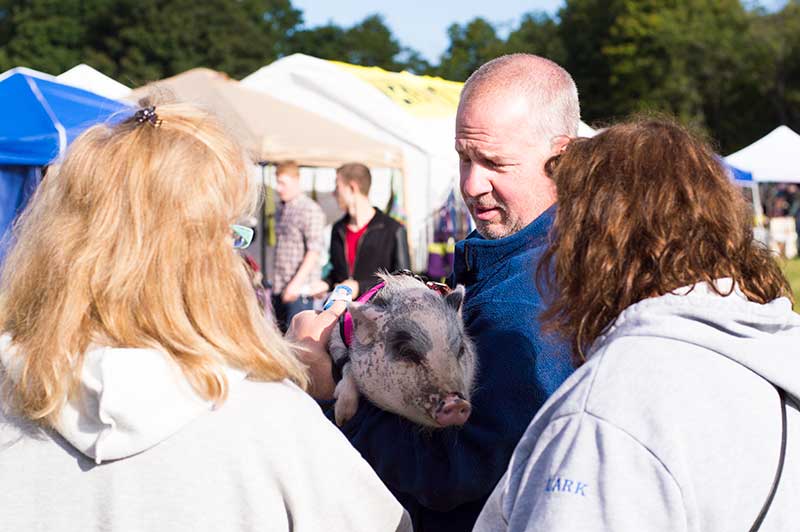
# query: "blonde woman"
(141, 388)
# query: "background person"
(142, 390)
(364, 240)
(515, 113)
(299, 243)
(685, 333)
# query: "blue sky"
(422, 25)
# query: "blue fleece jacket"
(444, 477)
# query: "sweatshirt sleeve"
(583, 473)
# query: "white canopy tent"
(335, 92)
(415, 113)
(87, 78)
(774, 158)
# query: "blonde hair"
(129, 244)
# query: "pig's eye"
(401, 345)
(411, 355)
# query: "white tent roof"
(85, 77)
(334, 91)
(273, 130)
(773, 158)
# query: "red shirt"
(351, 246)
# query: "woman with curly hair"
(142, 387)
(683, 413)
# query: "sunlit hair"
(129, 244)
(549, 90)
(289, 168)
(356, 173)
(644, 208)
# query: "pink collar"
(346, 320)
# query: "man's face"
(288, 187)
(501, 164)
(343, 193)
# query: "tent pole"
(263, 217)
(757, 207)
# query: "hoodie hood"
(128, 400)
(763, 338)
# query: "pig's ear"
(455, 299)
(365, 321)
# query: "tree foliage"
(718, 64)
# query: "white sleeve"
(583, 473)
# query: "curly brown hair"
(644, 208)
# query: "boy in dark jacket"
(364, 240)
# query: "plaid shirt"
(298, 230)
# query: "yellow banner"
(422, 96)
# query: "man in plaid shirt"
(299, 243)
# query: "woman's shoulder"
(271, 401)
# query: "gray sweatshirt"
(137, 451)
(673, 424)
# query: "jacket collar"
(476, 255)
(377, 221)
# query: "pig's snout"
(452, 410)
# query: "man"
(515, 113)
(364, 240)
(299, 242)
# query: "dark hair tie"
(147, 114)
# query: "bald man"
(515, 113)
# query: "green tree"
(471, 45)
(585, 31)
(538, 34)
(367, 43)
(46, 35)
(777, 37)
(371, 43)
(143, 40)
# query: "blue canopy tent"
(40, 118)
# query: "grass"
(792, 270)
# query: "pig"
(409, 355)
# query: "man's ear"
(559, 144)
(365, 321)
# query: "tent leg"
(757, 207)
(263, 224)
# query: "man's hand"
(318, 289)
(353, 284)
(290, 293)
(310, 332)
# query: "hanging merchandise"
(394, 207)
(314, 185)
(445, 230)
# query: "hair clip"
(147, 114)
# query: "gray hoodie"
(673, 424)
(136, 450)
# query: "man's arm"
(293, 288)
(313, 240)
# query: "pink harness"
(346, 320)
